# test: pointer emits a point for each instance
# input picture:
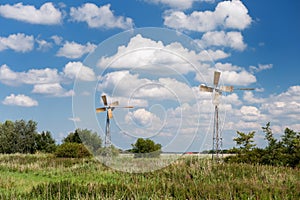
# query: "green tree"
(73, 137)
(291, 147)
(90, 139)
(274, 152)
(21, 137)
(25, 136)
(7, 137)
(45, 143)
(146, 148)
(284, 152)
(245, 141)
(272, 142)
(80, 139)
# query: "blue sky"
(44, 44)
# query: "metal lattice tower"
(108, 108)
(217, 92)
(217, 137)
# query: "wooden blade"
(226, 88)
(110, 115)
(104, 99)
(127, 107)
(216, 78)
(100, 110)
(114, 104)
(204, 88)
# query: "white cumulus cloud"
(57, 39)
(43, 45)
(231, 39)
(155, 57)
(75, 50)
(242, 78)
(48, 81)
(178, 4)
(19, 100)
(77, 70)
(143, 123)
(74, 119)
(230, 75)
(123, 83)
(227, 14)
(260, 68)
(250, 98)
(47, 14)
(99, 17)
(52, 89)
(18, 42)
(32, 76)
(142, 117)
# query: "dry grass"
(189, 177)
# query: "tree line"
(21, 136)
(284, 151)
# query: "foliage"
(72, 150)
(272, 142)
(245, 141)
(284, 152)
(73, 137)
(146, 148)
(108, 151)
(45, 177)
(90, 139)
(45, 143)
(21, 137)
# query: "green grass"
(46, 177)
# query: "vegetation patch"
(189, 177)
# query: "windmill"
(217, 92)
(108, 108)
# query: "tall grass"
(46, 177)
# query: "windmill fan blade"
(122, 107)
(100, 109)
(127, 107)
(114, 104)
(104, 99)
(226, 88)
(204, 88)
(216, 78)
(110, 115)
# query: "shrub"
(108, 151)
(72, 150)
(146, 149)
(284, 152)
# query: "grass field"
(190, 177)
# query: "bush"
(72, 150)
(108, 151)
(284, 152)
(146, 149)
